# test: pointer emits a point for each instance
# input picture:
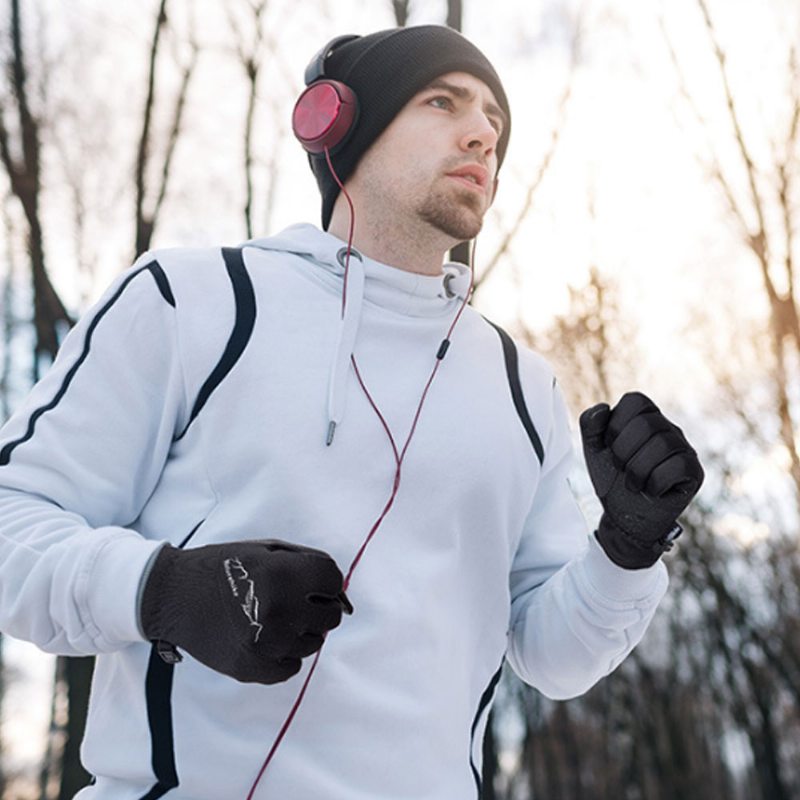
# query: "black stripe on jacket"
(485, 701)
(163, 287)
(158, 693)
(512, 370)
(245, 301)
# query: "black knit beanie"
(385, 70)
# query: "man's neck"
(421, 251)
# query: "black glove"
(250, 609)
(645, 474)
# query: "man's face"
(436, 161)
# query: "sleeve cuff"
(619, 584)
(113, 592)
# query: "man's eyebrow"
(462, 93)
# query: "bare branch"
(401, 11)
(175, 129)
(50, 315)
(755, 196)
(5, 153)
(251, 62)
(544, 165)
(784, 321)
(30, 141)
(454, 14)
(146, 220)
(714, 165)
(144, 227)
(785, 162)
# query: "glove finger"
(321, 575)
(297, 573)
(280, 546)
(305, 645)
(284, 668)
(656, 450)
(631, 405)
(593, 424)
(277, 545)
(321, 614)
(637, 433)
(252, 668)
(678, 478)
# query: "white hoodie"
(192, 405)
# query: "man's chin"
(458, 221)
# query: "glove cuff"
(153, 611)
(630, 552)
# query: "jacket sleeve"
(575, 615)
(78, 462)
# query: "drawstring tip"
(331, 431)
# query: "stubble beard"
(458, 213)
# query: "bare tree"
(401, 10)
(252, 56)
(762, 205)
(592, 344)
(21, 157)
(546, 158)
(146, 217)
(455, 13)
(251, 62)
(20, 151)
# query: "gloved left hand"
(645, 473)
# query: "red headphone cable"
(398, 458)
(352, 227)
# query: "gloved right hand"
(645, 473)
(251, 609)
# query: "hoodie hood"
(387, 286)
(367, 280)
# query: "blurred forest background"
(645, 236)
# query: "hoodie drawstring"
(346, 339)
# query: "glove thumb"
(594, 422)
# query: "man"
(236, 447)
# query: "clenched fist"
(645, 473)
(249, 609)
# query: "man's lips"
(472, 175)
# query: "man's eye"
(445, 102)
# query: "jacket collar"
(384, 285)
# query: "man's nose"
(480, 134)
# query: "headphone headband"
(316, 67)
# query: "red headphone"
(326, 112)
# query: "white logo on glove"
(250, 603)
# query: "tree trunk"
(50, 315)
(400, 12)
(78, 673)
(455, 10)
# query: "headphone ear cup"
(324, 115)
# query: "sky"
(627, 190)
